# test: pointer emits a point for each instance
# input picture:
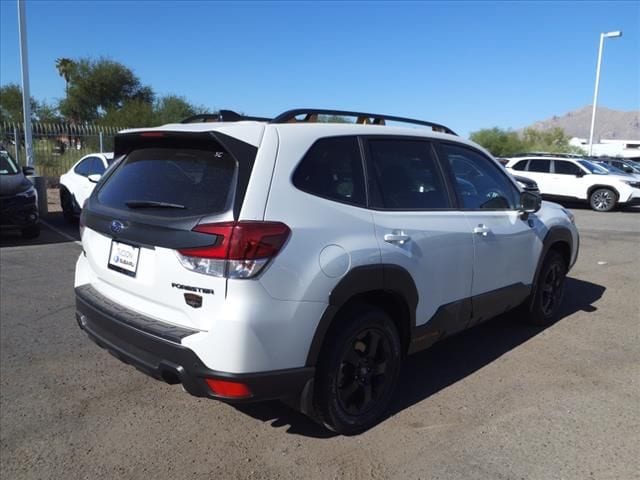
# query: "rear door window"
(566, 168)
(187, 181)
(540, 165)
(406, 175)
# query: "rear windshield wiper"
(151, 204)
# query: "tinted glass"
(332, 168)
(566, 168)
(407, 175)
(521, 165)
(480, 183)
(199, 180)
(542, 166)
(7, 165)
(97, 166)
(593, 168)
(84, 167)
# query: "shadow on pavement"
(446, 363)
(54, 229)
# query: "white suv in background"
(570, 178)
(77, 184)
(253, 259)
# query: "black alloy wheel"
(357, 371)
(362, 378)
(542, 308)
(552, 289)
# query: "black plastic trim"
(360, 280)
(172, 362)
(377, 117)
(462, 314)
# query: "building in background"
(609, 148)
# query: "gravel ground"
(501, 401)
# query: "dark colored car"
(18, 197)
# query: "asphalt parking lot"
(501, 401)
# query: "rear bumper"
(154, 348)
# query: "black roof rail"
(362, 117)
(546, 154)
(222, 116)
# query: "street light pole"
(26, 96)
(595, 93)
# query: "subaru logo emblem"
(116, 226)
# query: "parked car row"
(602, 184)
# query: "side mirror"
(580, 173)
(530, 202)
(94, 177)
(28, 170)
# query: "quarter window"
(407, 175)
(521, 165)
(332, 169)
(479, 182)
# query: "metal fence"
(56, 146)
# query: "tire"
(603, 200)
(542, 309)
(357, 371)
(31, 232)
(66, 202)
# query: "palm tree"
(65, 67)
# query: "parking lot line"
(60, 232)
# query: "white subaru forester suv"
(252, 259)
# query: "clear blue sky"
(468, 65)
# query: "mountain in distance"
(610, 124)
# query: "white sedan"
(77, 184)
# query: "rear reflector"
(152, 134)
(238, 249)
(228, 389)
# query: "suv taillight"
(239, 249)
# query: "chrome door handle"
(399, 237)
(482, 230)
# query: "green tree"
(100, 86)
(500, 143)
(134, 113)
(11, 104)
(503, 143)
(172, 109)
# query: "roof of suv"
(251, 129)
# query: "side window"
(479, 182)
(521, 165)
(97, 166)
(332, 169)
(540, 165)
(566, 168)
(84, 167)
(407, 175)
(90, 166)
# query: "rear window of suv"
(186, 181)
